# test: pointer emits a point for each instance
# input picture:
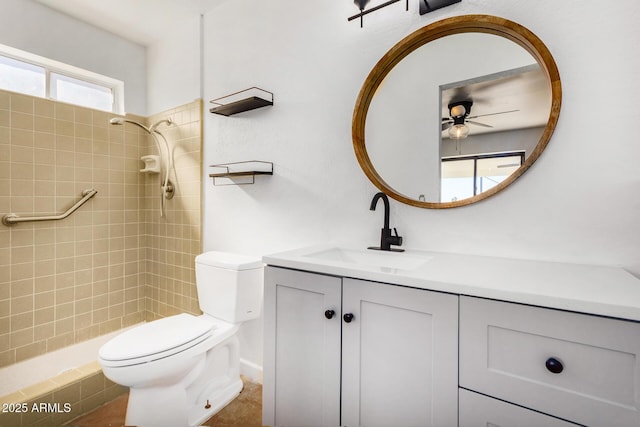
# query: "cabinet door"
(301, 384)
(399, 356)
(477, 410)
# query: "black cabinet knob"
(554, 365)
(329, 314)
(348, 317)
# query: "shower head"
(120, 121)
(153, 127)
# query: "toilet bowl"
(183, 369)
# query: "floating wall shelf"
(239, 173)
(245, 100)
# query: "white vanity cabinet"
(448, 340)
(578, 367)
(349, 352)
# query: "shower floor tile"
(244, 411)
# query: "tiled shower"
(114, 262)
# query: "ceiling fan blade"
(445, 125)
(478, 124)
(491, 114)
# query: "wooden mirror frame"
(456, 25)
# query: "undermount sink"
(371, 258)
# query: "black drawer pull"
(554, 365)
(329, 314)
(348, 317)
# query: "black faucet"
(386, 238)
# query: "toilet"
(183, 369)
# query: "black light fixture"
(427, 6)
(362, 3)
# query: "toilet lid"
(156, 337)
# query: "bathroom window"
(464, 177)
(18, 76)
(34, 75)
(79, 92)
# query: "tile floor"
(244, 411)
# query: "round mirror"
(456, 111)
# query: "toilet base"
(210, 386)
(170, 412)
(200, 414)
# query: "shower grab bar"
(12, 219)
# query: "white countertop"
(601, 290)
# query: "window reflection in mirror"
(464, 177)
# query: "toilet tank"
(229, 285)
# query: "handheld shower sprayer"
(154, 126)
(166, 185)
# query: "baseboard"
(251, 371)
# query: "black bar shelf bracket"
(239, 173)
(239, 102)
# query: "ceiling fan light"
(458, 131)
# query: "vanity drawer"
(574, 366)
(477, 410)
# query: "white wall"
(493, 142)
(37, 29)
(173, 76)
(579, 203)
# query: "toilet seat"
(156, 340)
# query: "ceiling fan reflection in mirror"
(459, 116)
